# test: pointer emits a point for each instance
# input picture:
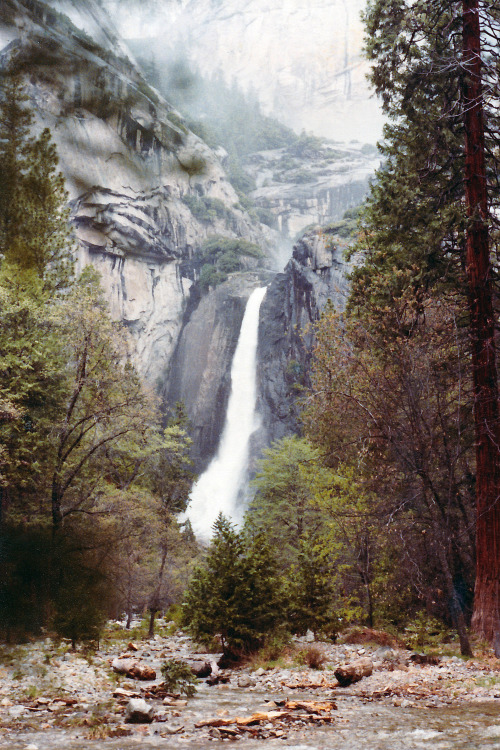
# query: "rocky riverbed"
(52, 697)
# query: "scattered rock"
(16, 711)
(121, 693)
(201, 669)
(218, 679)
(139, 712)
(177, 702)
(244, 681)
(132, 647)
(346, 674)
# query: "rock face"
(133, 170)
(295, 298)
(145, 192)
(303, 59)
(307, 185)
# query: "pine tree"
(34, 218)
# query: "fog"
(301, 60)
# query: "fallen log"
(346, 674)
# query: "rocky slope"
(303, 59)
(313, 182)
(144, 190)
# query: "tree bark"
(486, 615)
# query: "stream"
(56, 699)
(359, 724)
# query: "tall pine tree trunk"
(486, 616)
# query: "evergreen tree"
(34, 218)
(287, 479)
(235, 594)
(426, 222)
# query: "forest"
(385, 509)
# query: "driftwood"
(424, 659)
(346, 674)
(316, 711)
(243, 721)
(311, 706)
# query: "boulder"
(201, 669)
(139, 712)
(134, 669)
(244, 681)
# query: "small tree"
(235, 594)
(312, 590)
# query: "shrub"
(178, 677)
(425, 630)
(312, 656)
(224, 255)
(207, 209)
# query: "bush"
(425, 630)
(312, 656)
(223, 256)
(207, 209)
(178, 678)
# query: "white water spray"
(218, 488)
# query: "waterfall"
(218, 488)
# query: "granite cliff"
(295, 298)
(144, 191)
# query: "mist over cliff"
(302, 59)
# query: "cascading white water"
(218, 488)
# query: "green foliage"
(80, 603)
(81, 448)
(210, 276)
(299, 177)
(348, 227)
(207, 209)
(224, 255)
(306, 145)
(53, 581)
(235, 594)
(286, 482)
(178, 678)
(178, 121)
(312, 657)
(425, 630)
(34, 228)
(311, 590)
